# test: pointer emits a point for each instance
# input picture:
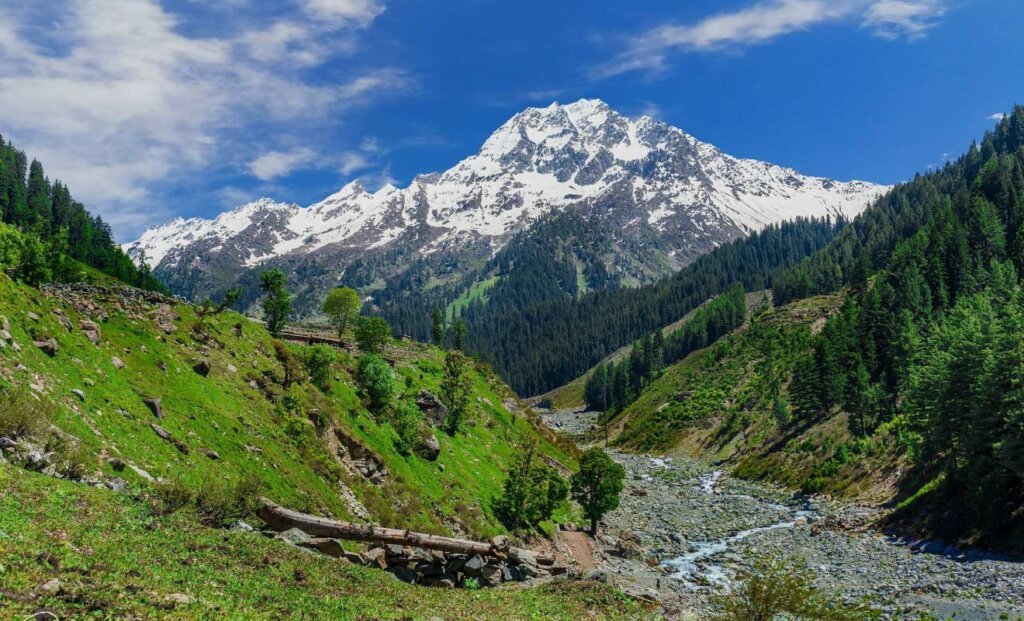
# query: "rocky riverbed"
(684, 530)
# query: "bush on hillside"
(408, 423)
(377, 379)
(783, 589)
(219, 502)
(319, 360)
(24, 415)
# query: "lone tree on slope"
(597, 486)
(342, 306)
(277, 303)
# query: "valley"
(685, 530)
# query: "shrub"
(531, 492)
(408, 424)
(778, 589)
(318, 360)
(291, 366)
(220, 502)
(23, 415)
(377, 380)
(70, 457)
(372, 334)
(171, 494)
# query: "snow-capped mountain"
(645, 179)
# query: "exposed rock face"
(49, 346)
(91, 331)
(202, 367)
(435, 411)
(431, 448)
(667, 196)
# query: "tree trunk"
(283, 519)
(593, 527)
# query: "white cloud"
(274, 164)
(892, 19)
(351, 162)
(998, 116)
(764, 22)
(359, 12)
(123, 101)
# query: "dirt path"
(578, 546)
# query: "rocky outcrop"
(435, 411)
(49, 346)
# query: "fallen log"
(280, 518)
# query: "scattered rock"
(33, 316)
(142, 473)
(116, 463)
(435, 411)
(117, 362)
(49, 346)
(91, 330)
(78, 393)
(51, 587)
(178, 599)
(202, 367)
(294, 536)
(117, 484)
(431, 448)
(329, 547)
(212, 454)
(154, 405)
(166, 435)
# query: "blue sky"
(151, 109)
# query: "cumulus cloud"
(344, 11)
(274, 164)
(997, 116)
(351, 162)
(124, 100)
(766, 21)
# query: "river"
(685, 530)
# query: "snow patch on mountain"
(540, 160)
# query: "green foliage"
(171, 494)
(455, 389)
(437, 327)
(23, 414)
(57, 229)
(596, 390)
(531, 492)
(377, 379)
(540, 329)
(597, 485)
(372, 334)
(277, 302)
(220, 502)
(409, 424)
(776, 589)
(319, 362)
(342, 306)
(291, 365)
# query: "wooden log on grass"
(282, 519)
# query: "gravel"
(685, 529)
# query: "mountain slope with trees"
(54, 223)
(916, 362)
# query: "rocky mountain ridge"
(652, 183)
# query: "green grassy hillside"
(112, 558)
(239, 420)
(730, 402)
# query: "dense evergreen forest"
(539, 346)
(613, 387)
(54, 225)
(931, 334)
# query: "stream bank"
(685, 529)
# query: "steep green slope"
(111, 557)
(292, 439)
(730, 402)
